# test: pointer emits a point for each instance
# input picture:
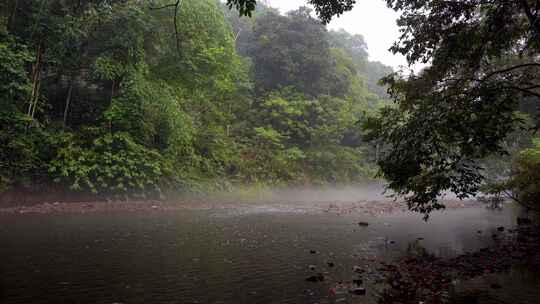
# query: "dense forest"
(127, 98)
(130, 98)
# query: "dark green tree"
(483, 61)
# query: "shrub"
(112, 166)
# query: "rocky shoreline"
(368, 207)
(425, 278)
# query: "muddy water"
(257, 254)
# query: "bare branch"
(165, 6)
(176, 6)
(176, 37)
(519, 66)
(523, 90)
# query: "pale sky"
(370, 18)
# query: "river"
(260, 253)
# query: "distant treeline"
(108, 98)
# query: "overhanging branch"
(176, 6)
(510, 69)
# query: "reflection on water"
(217, 256)
(518, 286)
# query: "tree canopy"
(326, 9)
(193, 94)
(187, 98)
(483, 63)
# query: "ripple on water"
(257, 254)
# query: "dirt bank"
(371, 207)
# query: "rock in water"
(315, 278)
(496, 286)
(363, 224)
(359, 291)
(523, 221)
(501, 229)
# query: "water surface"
(258, 254)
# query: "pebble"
(359, 291)
(315, 278)
(496, 286)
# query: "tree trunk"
(68, 101)
(112, 96)
(112, 90)
(36, 67)
(377, 152)
(11, 17)
(36, 100)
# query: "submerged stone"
(523, 221)
(496, 286)
(315, 278)
(359, 291)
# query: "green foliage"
(107, 98)
(111, 165)
(461, 108)
(14, 84)
(301, 140)
(18, 158)
(523, 184)
(290, 51)
(326, 9)
(356, 48)
(17, 155)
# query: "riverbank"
(341, 207)
(421, 277)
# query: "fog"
(341, 193)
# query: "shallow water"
(257, 254)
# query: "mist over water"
(223, 255)
(314, 194)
